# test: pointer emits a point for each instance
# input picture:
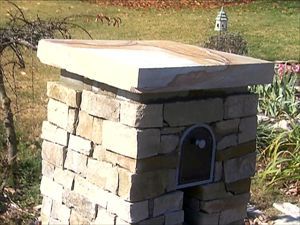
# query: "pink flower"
(296, 68)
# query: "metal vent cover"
(196, 157)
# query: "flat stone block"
(231, 215)
(154, 66)
(154, 221)
(100, 105)
(54, 134)
(226, 127)
(247, 129)
(219, 205)
(51, 189)
(69, 94)
(240, 168)
(64, 178)
(53, 153)
(129, 212)
(80, 145)
(240, 106)
(168, 143)
(168, 202)
(137, 187)
(46, 208)
(91, 192)
(141, 115)
(76, 162)
(76, 219)
(227, 141)
(61, 115)
(208, 191)
(236, 151)
(239, 187)
(103, 174)
(104, 217)
(131, 142)
(89, 127)
(174, 218)
(47, 169)
(61, 212)
(159, 162)
(218, 172)
(200, 218)
(81, 204)
(193, 112)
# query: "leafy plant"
(279, 98)
(281, 158)
(228, 42)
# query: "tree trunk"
(11, 139)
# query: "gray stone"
(240, 106)
(226, 127)
(193, 112)
(174, 218)
(231, 215)
(200, 218)
(247, 129)
(168, 143)
(227, 141)
(168, 202)
(240, 168)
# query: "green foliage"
(281, 158)
(228, 42)
(278, 99)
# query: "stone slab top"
(154, 66)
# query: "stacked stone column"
(111, 156)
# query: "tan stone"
(169, 202)
(174, 218)
(159, 162)
(140, 115)
(61, 115)
(47, 169)
(64, 178)
(129, 212)
(71, 95)
(90, 191)
(99, 152)
(77, 219)
(131, 142)
(236, 151)
(76, 162)
(53, 153)
(247, 129)
(100, 105)
(236, 106)
(46, 208)
(80, 145)
(168, 143)
(103, 175)
(193, 112)
(81, 204)
(51, 189)
(61, 212)
(137, 187)
(104, 217)
(89, 127)
(239, 168)
(54, 134)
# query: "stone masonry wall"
(108, 159)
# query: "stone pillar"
(112, 143)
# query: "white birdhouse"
(221, 21)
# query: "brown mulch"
(170, 4)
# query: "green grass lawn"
(270, 27)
